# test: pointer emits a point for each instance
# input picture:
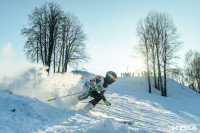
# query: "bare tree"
(152, 45)
(162, 41)
(176, 74)
(51, 27)
(73, 36)
(192, 71)
(143, 34)
(170, 45)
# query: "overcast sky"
(110, 26)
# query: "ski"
(102, 115)
(123, 121)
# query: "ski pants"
(89, 92)
(97, 97)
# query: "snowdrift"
(24, 106)
(34, 82)
(23, 114)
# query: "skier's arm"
(104, 99)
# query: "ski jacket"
(97, 84)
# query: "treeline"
(192, 70)
(59, 35)
(159, 43)
(190, 74)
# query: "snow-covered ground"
(24, 107)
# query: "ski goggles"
(114, 79)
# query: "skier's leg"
(82, 97)
(85, 94)
(97, 97)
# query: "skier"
(96, 88)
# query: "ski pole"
(64, 96)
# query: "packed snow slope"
(24, 107)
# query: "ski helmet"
(111, 77)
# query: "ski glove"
(107, 103)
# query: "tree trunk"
(165, 75)
(60, 58)
(165, 81)
(159, 70)
(149, 80)
(154, 71)
(63, 58)
(54, 61)
(51, 45)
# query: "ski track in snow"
(29, 111)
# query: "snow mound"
(33, 81)
(107, 127)
(22, 114)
